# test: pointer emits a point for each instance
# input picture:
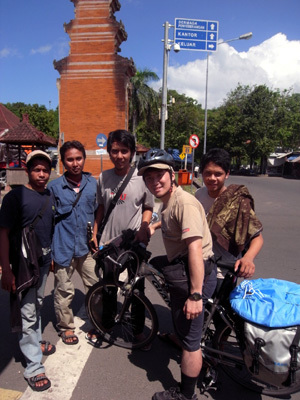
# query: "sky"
(32, 36)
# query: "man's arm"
(144, 234)
(98, 219)
(246, 263)
(8, 278)
(193, 308)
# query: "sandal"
(47, 348)
(94, 338)
(34, 380)
(70, 338)
(171, 339)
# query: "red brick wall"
(94, 79)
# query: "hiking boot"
(172, 394)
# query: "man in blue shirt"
(75, 204)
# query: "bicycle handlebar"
(229, 265)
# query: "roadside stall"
(23, 138)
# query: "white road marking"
(64, 367)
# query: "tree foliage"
(254, 121)
(44, 120)
(143, 98)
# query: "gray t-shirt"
(204, 198)
(127, 213)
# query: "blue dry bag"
(269, 302)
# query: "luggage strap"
(294, 350)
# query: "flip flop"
(47, 350)
(170, 338)
(94, 338)
(66, 338)
(32, 382)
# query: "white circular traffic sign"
(194, 141)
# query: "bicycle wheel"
(225, 340)
(103, 304)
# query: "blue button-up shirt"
(70, 233)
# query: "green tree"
(288, 121)
(185, 117)
(259, 124)
(143, 98)
(245, 124)
(44, 120)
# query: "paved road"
(110, 373)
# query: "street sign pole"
(198, 35)
(101, 141)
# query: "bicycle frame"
(222, 341)
(214, 306)
(149, 272)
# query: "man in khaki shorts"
(188, 266)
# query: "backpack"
(271, 310)
(25, 254)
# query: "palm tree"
(143, 97)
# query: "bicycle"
(111, 307)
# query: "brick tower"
(94, 81)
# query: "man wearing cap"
(20, 207)
(188, 268)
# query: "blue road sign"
(101, 140)
(195, 34)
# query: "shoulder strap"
(77, 198)
(40, 214)
(116, 198)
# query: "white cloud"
(7, 52)
(275, 63)
(41, 50)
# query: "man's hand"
(246, 263)
(192, 309)
(8, 280)
(246, 267)
(144, 234)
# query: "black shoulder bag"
(28, 253)
(114, 201)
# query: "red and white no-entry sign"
(194, 141)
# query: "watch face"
(196, 296)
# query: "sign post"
(195, 34)
(194, 143)
(101, 141)
(186, 150)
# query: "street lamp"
(245, 36)
(167, 47)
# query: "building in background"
(94, 83)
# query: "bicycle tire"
(120, 333)
(225, 340)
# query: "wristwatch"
(196, 296)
